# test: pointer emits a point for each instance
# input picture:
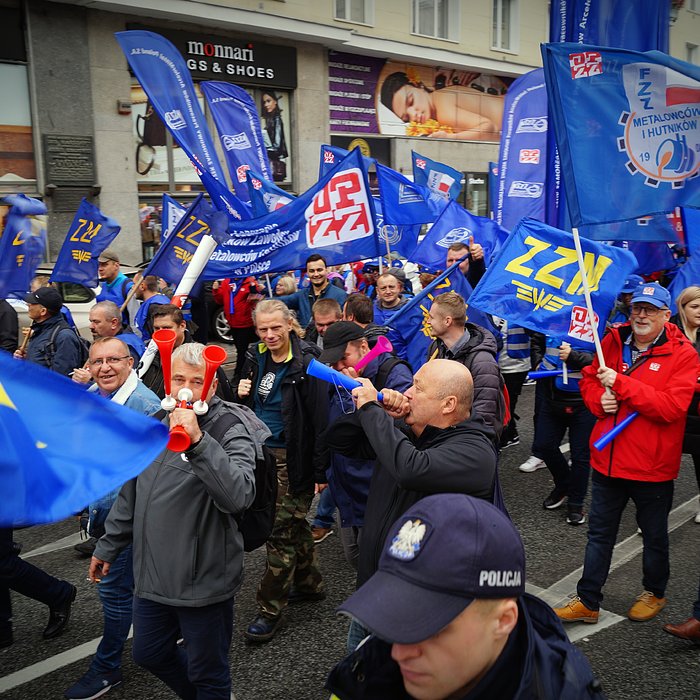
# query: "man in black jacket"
(9, 326)
(452, 619)
(294, 406)
(440, 448)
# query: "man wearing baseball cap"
(53, 343)
(450, 618)
(651, 369)
(115, 284)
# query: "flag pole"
(388, 247)
(207, 245)
(587, 295)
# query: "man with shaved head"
(435, 446)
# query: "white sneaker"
(697, 517)
(532, 464)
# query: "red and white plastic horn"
(165, 340)
(214, 356)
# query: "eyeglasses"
(648, 310)
(108, 360)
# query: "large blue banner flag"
(457, 225)
(176, 252)
(535, 282)
(89, 234)
(22, 244)
(524, 189)
(404, 202)
(641, 25)
(165, 78)
(238, 123)
(441, 179)
(639, 143)
(334, 218)
(49, 427)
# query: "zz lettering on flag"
(580, 325)
(193, 236)
(339, 212)
(595, 266)
(585, 64)
(539, 298)
(88, 234)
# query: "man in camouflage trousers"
(294, 407)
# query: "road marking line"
(63, 543)
(53, 663)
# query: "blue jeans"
(609, 497)
(325, 512)
(200, 670)
(552, 423)
(116, 592)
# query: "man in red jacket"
(651, 369)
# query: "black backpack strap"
(222, 425)
(385, 370)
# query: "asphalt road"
(635, 661)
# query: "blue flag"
(172, 212)
(89, 234)
(332, 155)
(651, 257)
(264, 195)
(640, 141)
(412, 333)
(658, 227)
(689, 272)
(165, 78)
(457, 225)
(335, 217)
(523, 183)
(238, 123)
(400, 239)
(535, 282)
(175, 253)
(493, 188)
(404, 202)
(441, 179)
(59, 444)
(22, 245)
(641, 25)
(224, 200)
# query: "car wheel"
(222, 331)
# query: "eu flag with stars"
(62, 446)
(535, 282)
(89, 234)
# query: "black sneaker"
(86, 548)
(575, 515)
(515, 440)
(556, 499)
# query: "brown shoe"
(576, 611)
(646, 607)
(320, 533)
(690, 630)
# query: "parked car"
(77, 298)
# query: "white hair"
(190, 354)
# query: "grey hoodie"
(180, 515)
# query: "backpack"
(255, 524)
(50, 351)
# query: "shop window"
(436, 18)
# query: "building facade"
(391, 76)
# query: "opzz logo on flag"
(420, 163)
(328, 157)
(531, 190)
(236, 142)
(240, 172)
(340, 212)
(580, 325)
(585, 64)
(175, 120)
(529, 155)
(532, 125)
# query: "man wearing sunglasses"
(651, 369)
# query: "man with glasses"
(111, 367)
(651, 369)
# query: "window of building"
(436, 18)
(505, 25)
(694, 5)
(17, 166)
(692, 54)
(360, 11)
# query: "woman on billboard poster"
(277, 146)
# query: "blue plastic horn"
(603, 440)
(328, 374)
(540, 373)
